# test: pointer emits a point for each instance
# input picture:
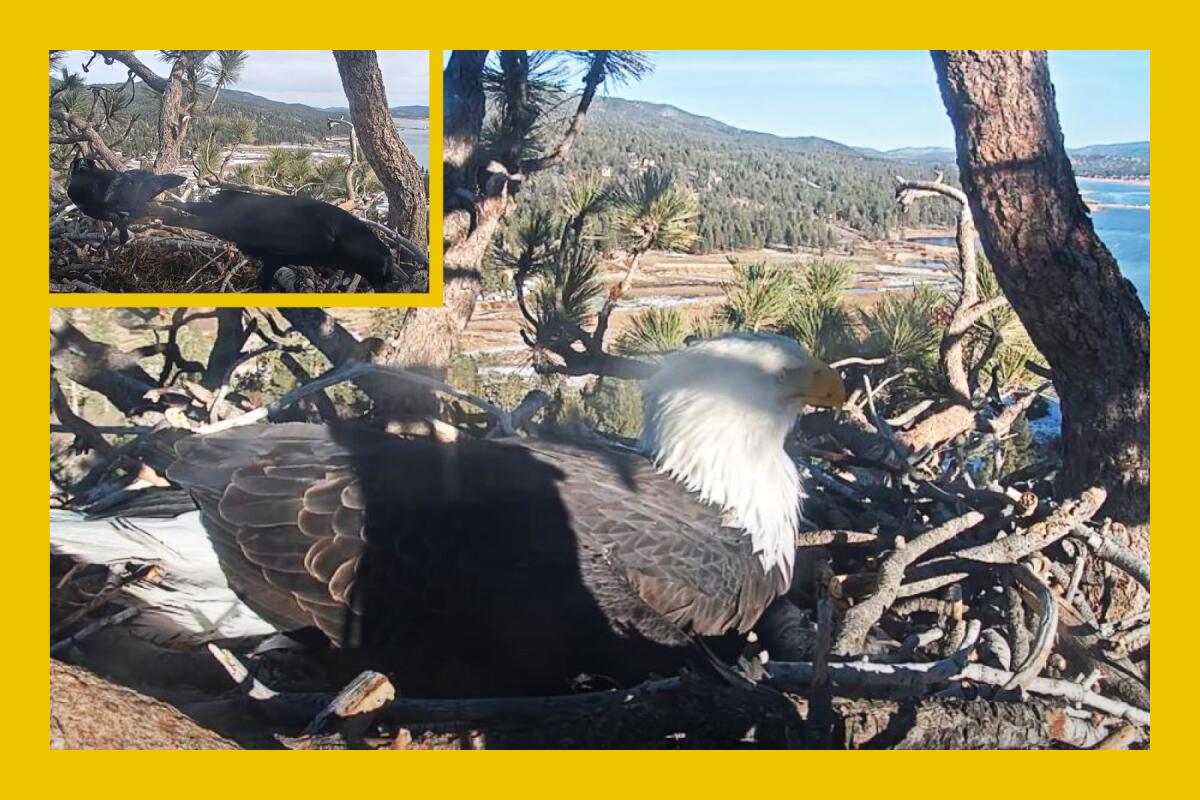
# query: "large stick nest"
(927, 611)
(165, 259)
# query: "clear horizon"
(883, 99)
(873, 99)
(309, 77)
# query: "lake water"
(936, 241)
(1125, 229)
(415, 135)
(1123, 224)
(418, 145)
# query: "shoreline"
(1130, 181)
(1105, 206)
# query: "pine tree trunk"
(170, 114)
(479, 187)
(174, 113)
(397, 169)
(116, 375)
(429, 336)
(1062, 281)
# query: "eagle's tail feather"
(712, 666)
(190, 603)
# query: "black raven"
(112, 196)
(282, 231)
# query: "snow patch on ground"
(1049, 426)
(662, 302)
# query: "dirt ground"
(696, 284)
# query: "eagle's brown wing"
(662, 542)
(377, 540)
(285, 514)
(372, 538)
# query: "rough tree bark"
(173, 120)
(464, 107)
(1063, 283)
(398, 171)
(90, 713)
(427, 337)
(231, 337)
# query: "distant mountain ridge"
(401, 112)
(1121, 160)
(754, 188)
(672, 117)
(758, 188)
(1130, 149)
(237, 97)
(251, 100)
(631, 109)
(276, 122)
(932, 153)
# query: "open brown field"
(697, 283)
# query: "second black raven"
(281, 231)
(113, 196)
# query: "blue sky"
(293, 76)
(884, 99)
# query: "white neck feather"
(714, 423)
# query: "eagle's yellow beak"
(815, 384)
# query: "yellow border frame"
(767, 25)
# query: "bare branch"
(349, 372)
(858, 620)
(136, 67)
(87, 437)
(1115, 553)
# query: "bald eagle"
(500, 567)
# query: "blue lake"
(1126, 230)
(1123, 225)
(417, 141)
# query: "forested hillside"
(273, 122)
(754, 188)
(1129, 160)
(397, 112)
(1125, 160)
(758, 189)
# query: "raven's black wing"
(88, 190)
(130, 191)
(283, 228)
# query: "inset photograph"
(232, 171)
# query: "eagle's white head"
(716, 417)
